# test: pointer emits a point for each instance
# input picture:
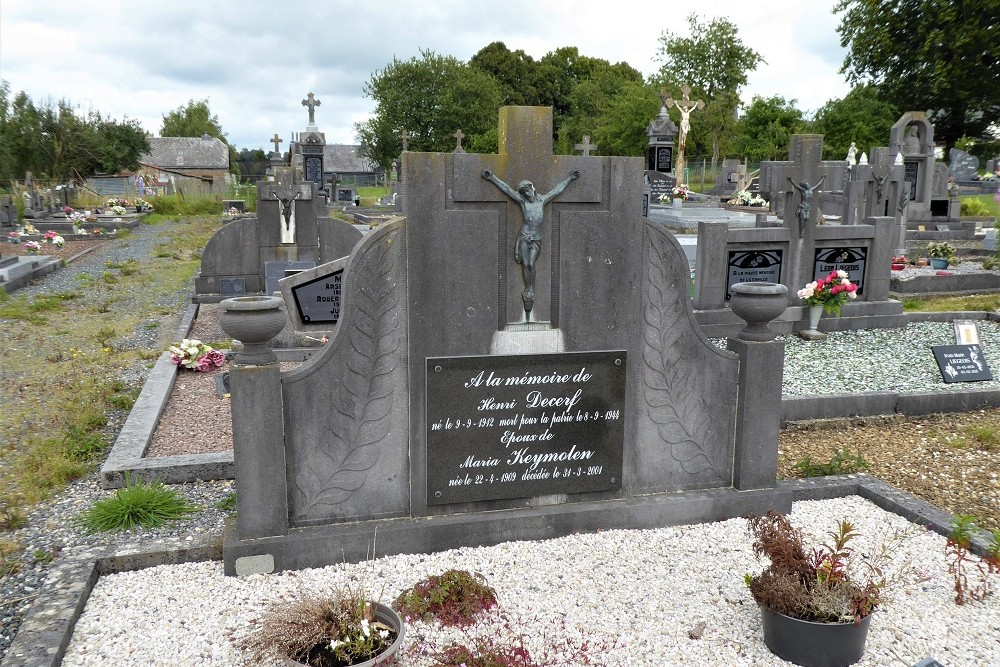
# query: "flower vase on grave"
(815, 312)
(677, 203)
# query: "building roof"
(345, 159)
(187, 153)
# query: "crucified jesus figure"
(805, 206)
(529, 240)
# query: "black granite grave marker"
(961, 363)
(232, 286)
(851, 260)
(910, 170)
(318, 301)
(664, 159)
(524, 425)
(748, 266)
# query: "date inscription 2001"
(521, 426)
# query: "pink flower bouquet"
(831, 292)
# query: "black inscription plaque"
(232, 286)
(318, 301)
(524, 425)
(748, 266)
(664, 159)
(961, 363)
(313, 168)
(345, 194)
(851, 260)
(910, 170)
(645, 204)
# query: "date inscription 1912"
(524, 425)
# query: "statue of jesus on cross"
(685, 106)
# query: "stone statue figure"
(804, 209)
(529, 240)
(852, 155)
(286, 207)
(911, 144)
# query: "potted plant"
(816, 604)
(337, 630)
(941, 254)
(828, 294)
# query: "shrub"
(146, 505)
(974, 208)
(453, 598)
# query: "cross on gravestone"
(312, 103)
(585, 146)
(525, 156)
(405, 137)
(276, 140)
(458, 141)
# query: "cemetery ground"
(78, 344)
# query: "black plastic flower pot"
(814, 644)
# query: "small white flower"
(842, 274)
(335, 643)
(365, 630)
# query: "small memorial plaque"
(645, 204)
(345, 194)
(966, 332)
(318, 301)
(232, 286)
(961, 363)
(748, 266)
(851, 260)
(313, 168)
(524, 425)
(942, 228)
(275, 271)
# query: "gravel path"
(635, 596)
(913, 454)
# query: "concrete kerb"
(45, 634)
(129, 448)
(127, 454)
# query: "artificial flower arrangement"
(192, 353)
(118, 201)
(746, 198)
(14, 237)
(55, 239)
(831, 292)
(98, 231)
(117, 210)
(30, 229)
(142, 203)
(32, 247)
(67, 210)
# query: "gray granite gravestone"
(416, 421)
(250, 255)
(964, 166)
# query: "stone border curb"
(46, 631)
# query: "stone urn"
(254, 321)
(758, 303)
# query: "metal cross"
(665, 99)
(276, 140)
(458, 141)
(312, 103)
(586, 146)
(404, 136)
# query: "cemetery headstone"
(438, 417)
(660, 135)
(964, 166)
(8, 211)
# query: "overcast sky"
(255, 60)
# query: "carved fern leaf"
(674, 392)
(338, 466)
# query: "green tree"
(192, 120)
(715, 62)
(430, 98)
(928, 55)
(517, 73)
(621, 128)
(591, 105)
(765, 130)
(861, 117)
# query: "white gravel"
(635, 594)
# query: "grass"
(59, 382)
(138, 504)
(842, 463)
(987, 302)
